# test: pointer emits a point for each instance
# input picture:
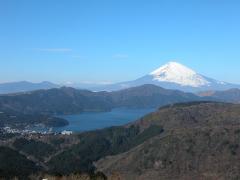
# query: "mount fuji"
(173, 75)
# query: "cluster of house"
(26, 131)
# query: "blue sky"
(117, 40)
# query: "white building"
(65, 132)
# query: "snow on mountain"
(179, 74)
(173, 75)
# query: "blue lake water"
(97, 120)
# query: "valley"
(46, 106)
(193, 132)
(119, 90)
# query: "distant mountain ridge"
(231, 95)
(68, 100)
(173, 75)
(24, 86)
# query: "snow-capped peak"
(174, 72)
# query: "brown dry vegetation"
(200, 141)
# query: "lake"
(97, 120)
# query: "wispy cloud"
(120, 56)
(54, 49)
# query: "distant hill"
(23, 86)
(55, 101)
(39, 106)
(69, 100)
(149, 95)
(231, 95)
